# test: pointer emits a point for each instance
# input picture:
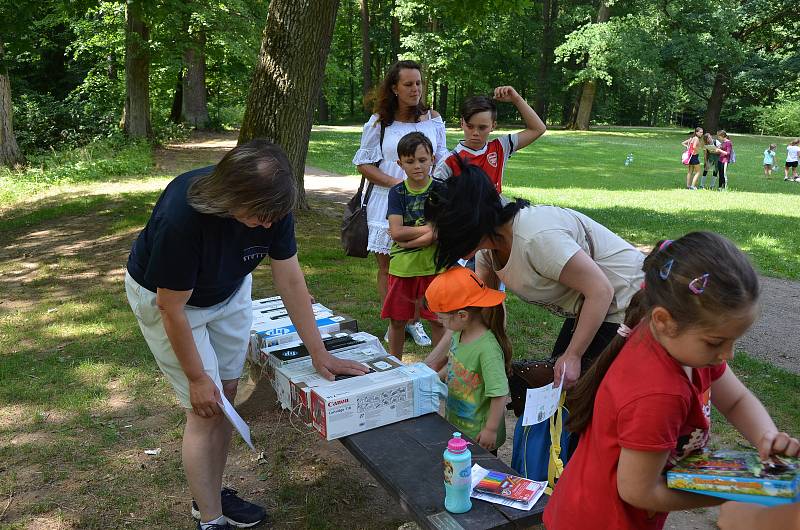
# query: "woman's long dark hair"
(464, 212)
(385, 100)
(730, 287)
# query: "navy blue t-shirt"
(182, 249)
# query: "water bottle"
(629, 159)
(457, 475)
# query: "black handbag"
(355, 233)
(527, 374)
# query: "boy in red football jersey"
(478, 120)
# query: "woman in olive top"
(554, 257)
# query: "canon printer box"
(375, 399)
(293, 378)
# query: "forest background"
(72, 70)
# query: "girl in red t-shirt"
(644, 403)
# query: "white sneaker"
(417, 333)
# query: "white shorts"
(221, 333)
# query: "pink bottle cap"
(457, 444)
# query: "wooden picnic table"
(406, 458)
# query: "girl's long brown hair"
(385, 100)
(495, 320)
(732, 286)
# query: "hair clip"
(664, 244)
(624, 331)
(698, 285)
(666, 269)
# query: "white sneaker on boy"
(417, 333)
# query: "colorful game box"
(739, 476)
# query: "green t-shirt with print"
(475, 374)
(410, 204)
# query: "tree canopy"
(732, 63)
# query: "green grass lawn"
(645, 201)
(81, 397)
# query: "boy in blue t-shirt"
(411, 258)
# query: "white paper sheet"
(541, 403)
(479, 472)
(236, 420)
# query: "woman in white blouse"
(399, 110)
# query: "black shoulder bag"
(355, 233)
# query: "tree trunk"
(443, 91)
(715, 101)
(366, 59)
(322, 108)
(585, 106)
(351, 59)
(195, 103)
(136, 115)
(177, 100)
(395, 35)
(542, 100)
(288, 76)
(570, 110)
(111, 70)
(590, 87)
(10, 155)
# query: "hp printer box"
(282, 331)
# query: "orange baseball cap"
(458, 288)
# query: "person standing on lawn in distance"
(188, 283)
(769, 160)
(645, 402)
(694, 144)
(724, 158)
(411, 267)
(711, 151)
(792, 156)
(478, 120)
(399, 110)
(479, 354)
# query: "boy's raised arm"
(534, 126)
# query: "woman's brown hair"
(495, 319)
(700, 279)
(253, 179)
(385, 100)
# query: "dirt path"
(774, 338)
